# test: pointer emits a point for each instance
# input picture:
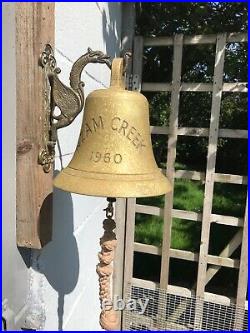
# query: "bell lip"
(157, 184)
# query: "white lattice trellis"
(209, 177)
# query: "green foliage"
(148, 230)
(159, 108)
(188, 195)
(166, 19)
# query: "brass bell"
(114, 156)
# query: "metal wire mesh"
(165, 311)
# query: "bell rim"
(103, 175)
(108, 185)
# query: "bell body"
(114, 156)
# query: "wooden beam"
(35, 27)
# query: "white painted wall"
(15, 272)
(65, 269)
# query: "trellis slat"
(202, 132)
(186, 255)
(225, 262)
(243, 275)
(172, 142)
(146, 248)
(233, 133)
(230, 179)
(163, 130)
(131, 202)
(237, 37)
(192, 175)
(226, 252)
(150, 210)
(189, 215)
(218, 177)
(194, 87)
(197, 39)
(193, 131)
(118, 264)
(227, 220)
(129, 241)
(211, 160)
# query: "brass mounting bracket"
(69, 100)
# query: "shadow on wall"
(60, 258)
(111, 30)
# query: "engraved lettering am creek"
(117, 125)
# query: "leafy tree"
(166, 19)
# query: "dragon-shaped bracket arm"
(69, 100)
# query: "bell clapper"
(108, 317)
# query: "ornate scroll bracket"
(69, 100)
(108, 317)
(47, 150)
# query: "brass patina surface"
(69, 100)
(114, 156)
